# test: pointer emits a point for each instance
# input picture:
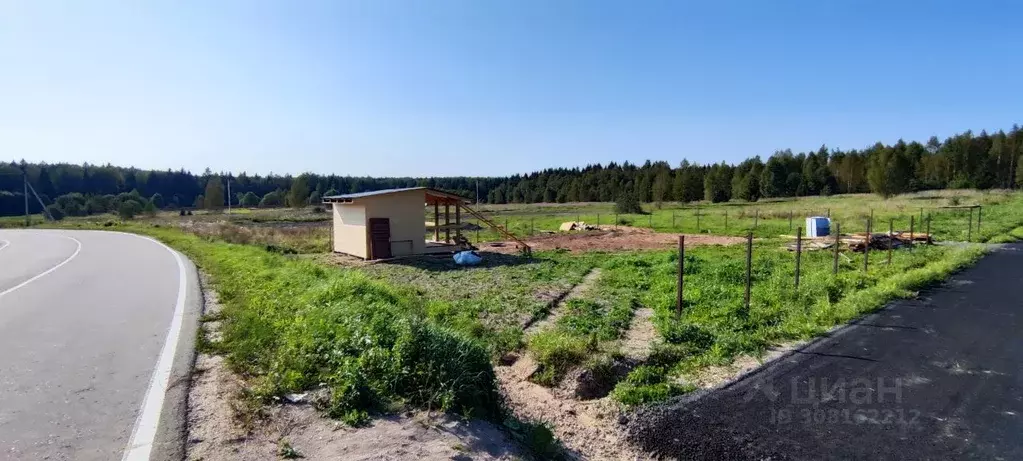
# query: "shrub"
(628, 203)
(556, 352)
(55, 212)
(128, 209)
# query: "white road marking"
(140, 445)
(77, 250)
(5, 245)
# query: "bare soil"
(222, 427)
(610, 238)
(590, 430)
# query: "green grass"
(1002, 211)
(425, 334)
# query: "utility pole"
(477, 192)
(28, 220)
(228, 195)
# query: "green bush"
(628, 203)
(556, 352)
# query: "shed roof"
(431, 195)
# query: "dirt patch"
(555, 312)
(640, 337)
(610, 238)
(589, 430)
(218, 428)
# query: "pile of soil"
(609, 238)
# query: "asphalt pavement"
(95, 329)
(938, 377)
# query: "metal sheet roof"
(375, 192)
(428, 192)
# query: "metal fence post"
(598, 219)
(681, 271)
(891, 236)
(921, 215)
(834, 269)
(672, 219)
(532, 230)
(650, 219)
(616, 220)
(726, 221)
(790, 219)
(697, 220)
(749, 267)
(969, 230)
(829, 213)
(756, 218)
(799, 253)
(866, 248)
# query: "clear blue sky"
(488, 87)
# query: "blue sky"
(491, 87)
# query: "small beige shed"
(389, 223)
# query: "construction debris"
(881, 241)
(857, 242)
(576, 226)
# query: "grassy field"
(424, 332)
(770, 218)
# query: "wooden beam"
(447, 220)
(436, 217)
(458, 221)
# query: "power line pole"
(228, 195)
(28, 220)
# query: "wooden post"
(799, 252)
(866, 249)
(598, 219)
(912, 230)
(681, 271)
(790, 219)
(578, 218)
(650, 219)
(829, 213)
(436, 222)
(506, 225)
(458, 221)
(616, 221)
(532, 230)
(447, 221)
(834, 268)
(891, 236)
(921, 215)
(980, 209)
(697, 220)
(929, 236)
(756, 218)
(749, 267)
(969, 230)
(672, 219)
(477, 231)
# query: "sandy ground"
(590, 430)
(639, 339)
(217, 429)
(610, 238)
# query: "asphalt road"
(90, 329)
(939, 377)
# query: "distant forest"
(966, 160)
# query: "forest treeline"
(965, 160)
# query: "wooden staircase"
(500, 229)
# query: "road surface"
(95, 328)
(939, 377)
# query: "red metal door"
(380, 238)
